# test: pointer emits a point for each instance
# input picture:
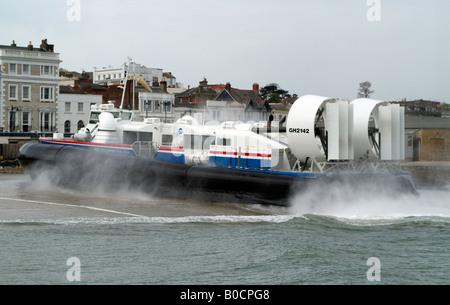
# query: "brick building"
(431, 145)
(219, 102)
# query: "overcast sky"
(322, 47)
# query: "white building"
(29, 88)
(156, 104)
(74, 110)
(112, 75)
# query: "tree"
(273, 93)
(445, 106)
(62, 72)
(364, 89)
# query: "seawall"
(429, 174)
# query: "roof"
(168, 75)
(248, 97)
(9, 47)
(426, 122)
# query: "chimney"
(155, 82)
(201, 85)
(13, 44)
(255, 87)
(163, 84)
(30, 47)
(228, 87)
(44, 45)
(47, 47)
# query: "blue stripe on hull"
(245, 162)
(170, 157)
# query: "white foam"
(219, 219)
(431, 203)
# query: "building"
(156, 103)
(421, 108)
(218, 102)
(431, 145)
(427, 132)
(74, 110)
(114, 75)
(29, 88)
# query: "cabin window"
(198, 141)
(126, 116)
(130, 137)
(208, 141)
(145, 136)
(167, 139)
(224, 141)
(94, 117)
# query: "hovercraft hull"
(87, 169)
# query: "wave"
(358, 206)
(334, 221)
(221, 219)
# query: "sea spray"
(368, 202)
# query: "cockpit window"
(94, 117)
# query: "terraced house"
(29, 88)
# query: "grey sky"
(323, 47)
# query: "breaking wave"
(221, 219)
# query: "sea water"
(55, 236)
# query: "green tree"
(273, 93)
(62, 72)
(364, 89)
(445, 106)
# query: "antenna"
(126, 81)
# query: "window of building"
(46, 71)
(66, 126)
(157, 106)
(47, 119)
(47, 94)
(167, 106)
(147, 106)
(80, 125)
(26, 69)
(26, 93)
(13, 119)
(80, 107)
(12, 69)
(67, 107)
(25, 120)
(13, 92)
(410, 141)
